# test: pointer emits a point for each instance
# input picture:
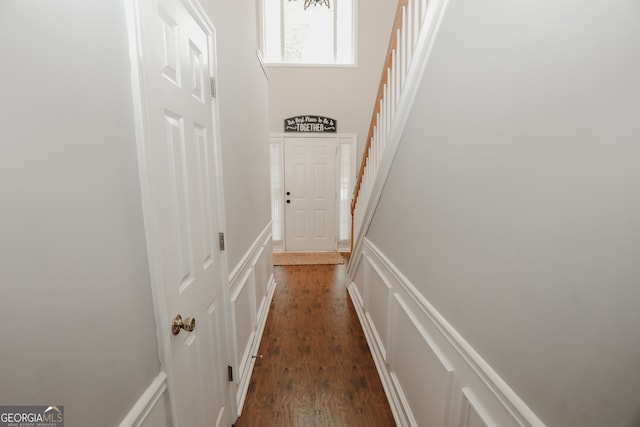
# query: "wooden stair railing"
(384, 78)
(409, 21)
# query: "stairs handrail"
(413, 33)
(393, 43)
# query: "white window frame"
(276, 154)
(345, 177)
(263, 37)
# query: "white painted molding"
(478, 389)
(245, 286)
(262, 64)
(244, 261)
(247, 317)
(424, 46)
(244, 387)
(262, 320)
(403, 403)
(341, 139)
(378, 359)
(147, 401)
(470, 405)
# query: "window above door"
(318, 35)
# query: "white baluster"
(380, 143)
(374, 160)
(423, 11)
(383, 117)
(408, 31)
(391, 103)
(394, 72)
(418, 20)
(400, 61)
(363, 188)
(404, 49)
(382, 130)
(376, 150)
(387, 114)
(412, 23)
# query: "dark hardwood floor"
(316, 369)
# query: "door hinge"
(221, 240)
(230, 372)
(213, 87)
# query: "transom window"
(315, 35)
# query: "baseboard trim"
(378, 359)
(262, 318)
(146, 402)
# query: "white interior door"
(184, 206)
(310, 194)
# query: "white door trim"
(279, 138)
(139, 87)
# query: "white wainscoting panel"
(419, 368)
(251, 286)
(473, 414)
(358, 281)
(377, 298)
(160, 415)
(263, 262)
(243, 318)
(152, 408)
(431, 375)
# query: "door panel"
(310, 215)
(185, 208)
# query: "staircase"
(414, 30)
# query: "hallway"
(316, 369)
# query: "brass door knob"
(188, 324)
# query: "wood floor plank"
(317, 370)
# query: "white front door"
(184, 212)
(310, 194)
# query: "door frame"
(277, 139)
(140, 89)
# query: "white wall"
(242, 93)
(76, 298)
(513, 203)
(346, 94)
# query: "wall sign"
(310, 124)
